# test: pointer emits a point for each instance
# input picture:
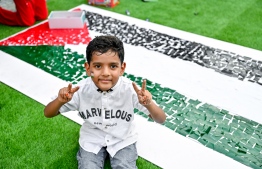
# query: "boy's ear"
(87, 67)
(123, 67)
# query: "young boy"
(106, 101)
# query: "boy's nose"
(106, 71)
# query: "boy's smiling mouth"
(105, 80)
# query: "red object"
(109, 3)
(43, 35)
(27, 12)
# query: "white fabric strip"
(157, 143)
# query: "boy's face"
(105, 69)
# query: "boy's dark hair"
(104, 43)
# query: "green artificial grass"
(30, 140)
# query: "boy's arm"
(65, 95)
(145, 98)
(52, 108)
(156, 113)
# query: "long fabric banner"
(210, 90)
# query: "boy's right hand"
(65, 94)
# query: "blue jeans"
(123, 159)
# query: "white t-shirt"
(108, 116)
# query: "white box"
(66, 19)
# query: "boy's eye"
(113, 66)
(97, 66)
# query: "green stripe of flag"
(215, 128)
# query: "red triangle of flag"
(43, 35)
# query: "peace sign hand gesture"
(65, 94)
(144, 96)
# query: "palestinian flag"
(211, 91)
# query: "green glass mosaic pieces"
(56, 60)
(215, 128)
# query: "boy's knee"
(88, 160)
(124, 164)
(125, 158)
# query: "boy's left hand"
(144, 96)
